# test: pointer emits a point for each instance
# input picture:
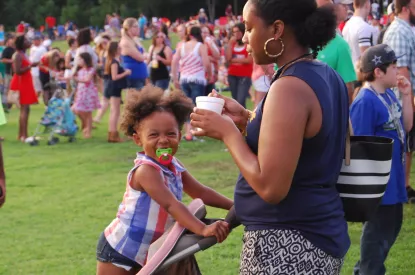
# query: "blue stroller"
(57, 120)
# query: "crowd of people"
(365, 61)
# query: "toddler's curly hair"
(150, 99)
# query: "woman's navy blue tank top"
(313, 206)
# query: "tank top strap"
(196, 48)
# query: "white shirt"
(36, 53)
(358, 33)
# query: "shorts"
(410, 139)
(136, 83)
(262, 84)
(37, 84)
(193, 90)
(107, 254)
(44, 79)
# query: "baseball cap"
(376, 56)
(391, 8)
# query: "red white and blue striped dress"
(140, 220)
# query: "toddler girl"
(86, 99)
(155, 185)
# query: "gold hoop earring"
(274, 55)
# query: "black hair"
(196, 32)
(71, 41)
(84, 37)
(313, 26)
(60, 65)
(370, 76)
(151, 99)
(87, 59)
(19, 43)
(240, 26)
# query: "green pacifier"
(165, 155)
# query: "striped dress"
(140, 220)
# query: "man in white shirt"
(36, 53)
(357, 32)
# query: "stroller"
(58, 118)
(173, 253)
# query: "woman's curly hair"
(152, 99)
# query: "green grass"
(60, 199)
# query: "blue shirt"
(313, 205)
(138, 69)
(142, 21)
(371, 118)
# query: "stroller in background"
(57, 119)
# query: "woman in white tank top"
(194, 69)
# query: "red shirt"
(20, 28)
(50, 21)
(44, 62)
(238, 69)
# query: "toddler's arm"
(195, 189)
(147, 178)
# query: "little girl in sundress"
(86, 99)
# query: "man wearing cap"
(36, 52)
(376, 111)
(400, 37)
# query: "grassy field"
(60, 199)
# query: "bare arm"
(210, 197)
(147, 178)
(350, 91)
(205, 59)
(17, 65)
(175, 64)
(114, 72)
(247, 60)
(214, 49)
(363, 49)
(68, 58)
(132, 51)
(169, 55)
(228, 52)
(280, 140)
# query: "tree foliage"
(92, 12)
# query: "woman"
(132, 54)
(159, 59)
(84, 40)
(240, 65)
(46, 65)
(291, 157)
(194, 67)
(22, 83)
(214, 56)
(182, 35)
(101, 48)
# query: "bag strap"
(348, 143)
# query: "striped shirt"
(191, 66)
(400, 37)
(140, 220)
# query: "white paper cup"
(213, 104)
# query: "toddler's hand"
(219, 229)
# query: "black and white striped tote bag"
(364, 175)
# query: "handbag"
(364, 175)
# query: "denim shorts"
(193, 90)
(107, 254)
(136, 83)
